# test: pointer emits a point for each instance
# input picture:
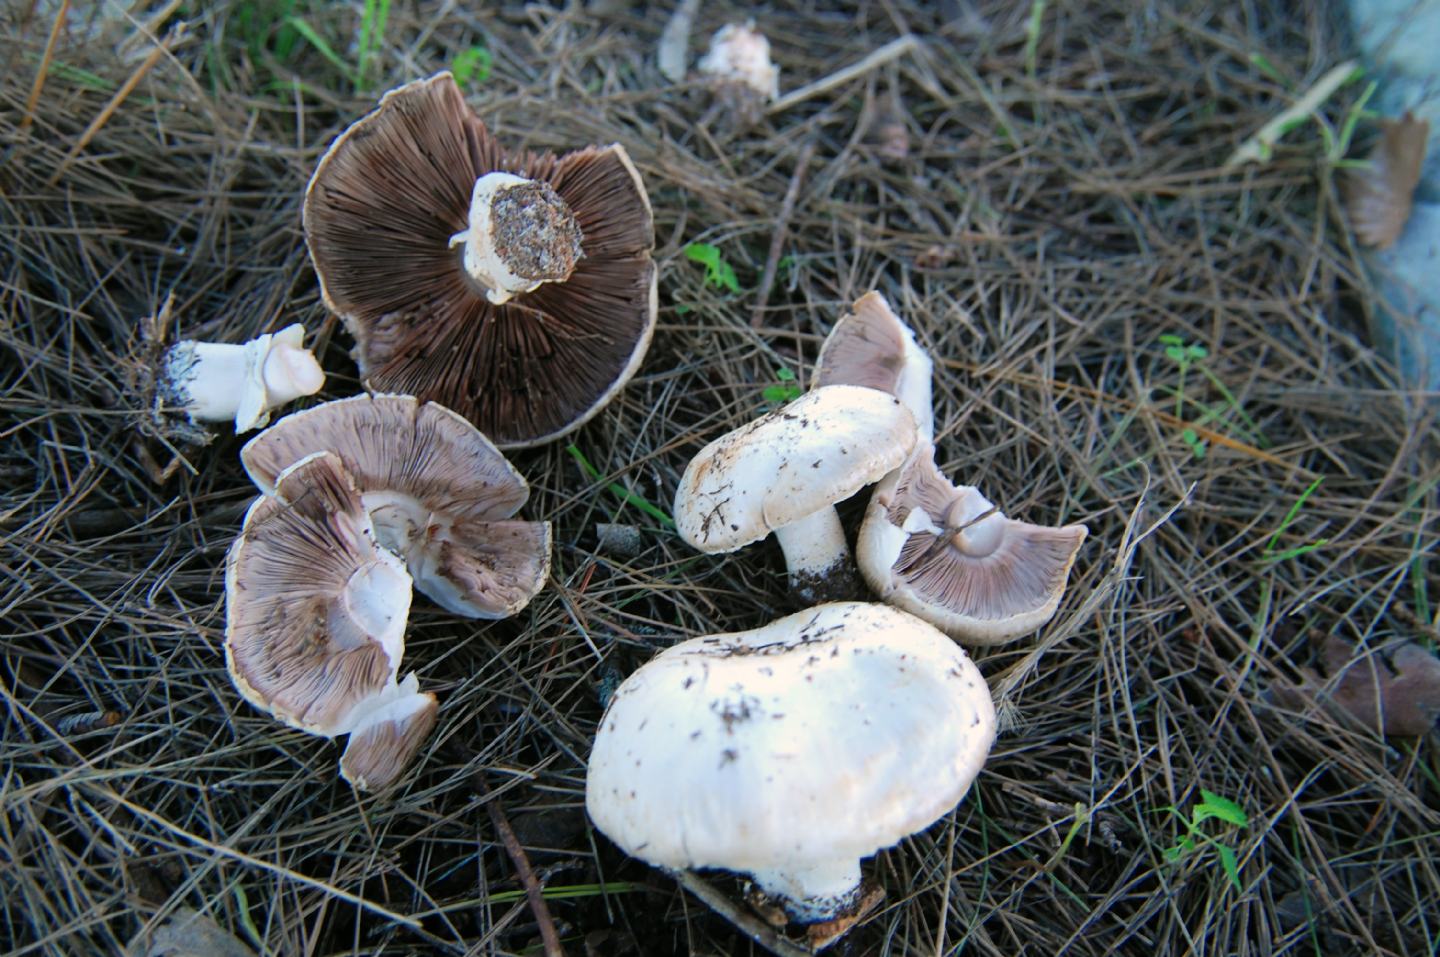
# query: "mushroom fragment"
(547, 306)
(221, 381)
(785, 471)
(871, 346)
(791, 751)
(439, 493)
(945, 553)
(740, 71)
(315, 613)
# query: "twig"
(146, 65)
(534, 894)
(890, 51)
(1257, 148)
(752, 927)
(44, 70)
(777, 240)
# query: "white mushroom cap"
(785, 471)
(870, 346)
(791, 751)
(945, 553)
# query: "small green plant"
(472, 64)
(1269, 553)
(1188, 356)
(1184, 355)
(718, 272)
(1223, 809)
(785, 391)
(372, 38)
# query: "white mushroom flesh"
(740, 54)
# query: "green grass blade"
(619, 491)
(321, 46)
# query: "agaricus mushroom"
(739, 70)
(515, 289)
(220, 381)
(315, 619)
(870, 346)
(791, 751)
(439, 493)
(944, 553)
(785, 471)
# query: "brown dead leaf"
(1395, 690)
(1378, 198)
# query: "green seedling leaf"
(472, 64)
(1227, 862)
(718, 272)
(1290, 516)
(780, 393)
(1197, 445)
(1267, 68)
(1213, 805)
(784, 374)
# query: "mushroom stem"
(520, 234)
(818, 558)
(816, 893)
(217, 381)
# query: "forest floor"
(1127, 333)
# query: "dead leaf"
(187, 933)
(673, 51)
(1378, 198)
(1395, 690)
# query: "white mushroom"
(785, 471)
(739, 55)
(217, 382)
(791, 751)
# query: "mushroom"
(789, 752)
(739, 69)
(439, 493)
(871, 346)
(315, 618)
(944, 553)
(220, 381)
(516, 289)
(785, 471)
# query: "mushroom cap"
(315, 609)
(871, 346)
(1000, 579)
(439, 492)
(387, 738)
(379, 214)
(792, 462)
(827, 734)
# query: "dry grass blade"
(1378, 197)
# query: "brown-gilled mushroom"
(785, 471)
(516, 289)
(945, 554)
(439, 493)
(872, 347)
(315, 618)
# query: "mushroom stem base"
(814, 894)
(818, 559)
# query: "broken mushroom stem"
(221, 381)
(818, 559)
(521, 234)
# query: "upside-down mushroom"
(516, 289)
